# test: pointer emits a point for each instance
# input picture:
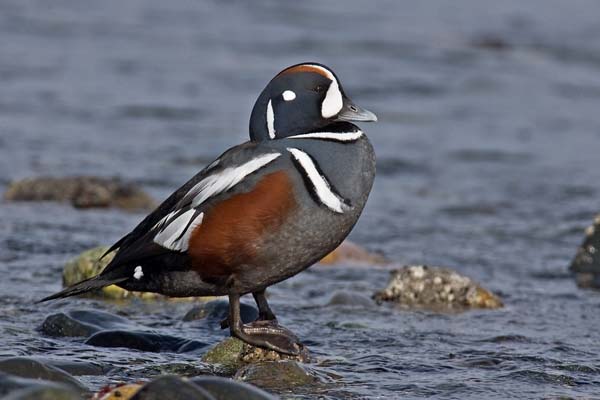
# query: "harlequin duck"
(261, 212)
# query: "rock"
(351, 253)
(172, 388)
(34, 369)
(224, 388)
(231, 354)
(435, 288)
(15, 388)
(144, 341)
(586, 264)
(120, 392)
(88, 264)
(81, 323)
(218, 310)
(281, 375)
(350, 299)
(81, 192)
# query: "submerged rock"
(351, 253)
(81, 192)
(144, 341)
(231, 354)
(280, 375)
(81, 323)
(586, 264)
(15, 388)
(34, 369)
(218, 310)
(435, 288)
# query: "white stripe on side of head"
(270, 120)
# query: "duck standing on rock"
(260, 213)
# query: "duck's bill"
(353, 113)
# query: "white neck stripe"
(336, 136)
(321, 186)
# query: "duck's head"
(300, 99)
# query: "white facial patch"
(320, 185)
(288, 95)
(138, 273)
(270, 120)
(333, 102)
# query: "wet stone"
(224, 388)
(586, 264)
(80, 323)
(218, 310)
(173, 388)
(350, 299)
(231, 354)
(144, 341)
(15, 388)
(435, 288)
(81, 192)
(34, 369)
(352, 253)
(278, 375)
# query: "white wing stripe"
(168, 237)
(337, 136)
(226, 179)
(320, 184)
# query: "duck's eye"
(319, 88)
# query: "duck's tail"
(95, 283)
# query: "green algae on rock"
(435, 288)
(231, 354)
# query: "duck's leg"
(264, 311)
(266, 335)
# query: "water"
(487, 149)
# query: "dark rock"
(81, 323)
(57, 392)
(81, 191)
(218, 310)
(586, 264)
(350, 299)
(435, 288)
(279, 375)
(172, 388)
(34, 369)
(15, 388)
(225, 389)
(143, 341)
(77, 368)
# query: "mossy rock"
(232, 354)
(88, 264)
